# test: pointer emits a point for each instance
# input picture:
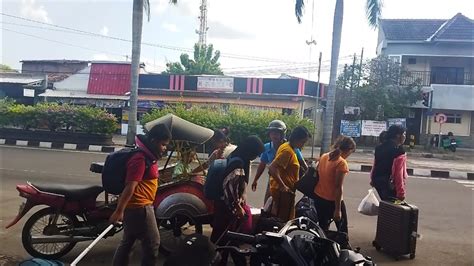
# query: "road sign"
(441, 118)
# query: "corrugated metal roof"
(109, 79)
(80, 94)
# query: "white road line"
(465, 181)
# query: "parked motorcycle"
(300, 242)
(73, 214)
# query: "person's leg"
(121, 257)
(342, 226)
(325, 212)
(150, 238)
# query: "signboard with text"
(397, 121)
(215, 84)
(350, 128)
(373, 128)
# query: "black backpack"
(213, 187)
(115, 169)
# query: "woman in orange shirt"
(332, 169)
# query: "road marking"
(466, 183)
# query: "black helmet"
(277, 125)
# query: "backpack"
(305, 208)
(213, 187)
(41, 262)
(115, 169)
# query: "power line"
(169, 47)
(60, 42)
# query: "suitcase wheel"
(412, 256)
(376, 245)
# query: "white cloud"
(104, 31)
(32, 10)
(170, 27)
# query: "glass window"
(452, 118)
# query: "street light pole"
(316, 107)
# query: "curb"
(419, 172)
(108, 149)
(59, 145)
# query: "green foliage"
(57, 117)
(379, 95)
(205, 62)
(241, 121)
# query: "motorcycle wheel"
(174, 230)
(39, 224)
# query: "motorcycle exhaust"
(59, 239)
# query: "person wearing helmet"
(276, 132)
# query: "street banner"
(373, 128)
(350, 128)
(397, 121)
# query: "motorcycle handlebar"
(249, 239)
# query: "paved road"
(445, 222)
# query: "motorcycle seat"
(73, 192)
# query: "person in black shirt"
(391, 148)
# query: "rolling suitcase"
(397, 226)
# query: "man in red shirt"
(135, 205)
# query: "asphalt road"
(445, 221)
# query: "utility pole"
(315, 114)
(352, 76)
(360, 66)
(202, 32)
(429, 116)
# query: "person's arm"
(338, 192)
(398, 175)
(273, 171)
(204, 166)
(124, 198)
(260, 169)
(341, 171)
(234, 188)
(301, 160)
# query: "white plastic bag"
(370, 203)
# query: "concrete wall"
(429, 49)
(425, 63)
(463, 129)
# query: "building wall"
(462, 129)
(49, 67)
(429, 49)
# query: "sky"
(252, 35)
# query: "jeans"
(139, 224)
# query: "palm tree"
(373, 9)
(137, 24)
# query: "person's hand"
(254, 185)
(337, 215)
(239, 211)
(285, 188)
(116, 217)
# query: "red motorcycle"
(75, 214)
